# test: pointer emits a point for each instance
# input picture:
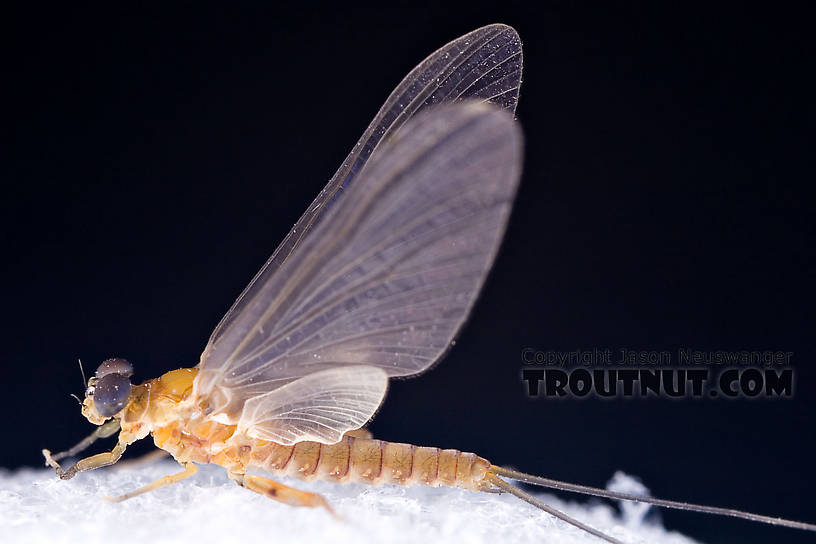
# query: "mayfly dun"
(374, 281)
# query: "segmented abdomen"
(369, 461)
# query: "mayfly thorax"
(374, 281)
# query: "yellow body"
(182, 426)
(189, 435)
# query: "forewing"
(320, 407)
(391, 272)
(484, 64)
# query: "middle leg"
(189, 470)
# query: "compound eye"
(111, 394)
(115, 366)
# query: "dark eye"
(111, 394)
(117, 366)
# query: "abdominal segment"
(355, 458)
(368, 461)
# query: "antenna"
(82, 371)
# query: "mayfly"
(374, 281)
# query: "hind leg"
(279, 492)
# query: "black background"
(157, 157)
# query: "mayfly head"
(108, 391)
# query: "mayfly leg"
(146, 459)
(189, 470)
(108, 429)
(89, 463)
(280, 492)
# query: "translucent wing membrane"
(484, 64)
(319, 407)
(386, 280)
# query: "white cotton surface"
(35, 507)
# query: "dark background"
(157, 156)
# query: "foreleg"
(89, 463)
(103, 431)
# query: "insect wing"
(484, 64)
(320, 407)
(386, 280)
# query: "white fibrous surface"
(35, 507)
